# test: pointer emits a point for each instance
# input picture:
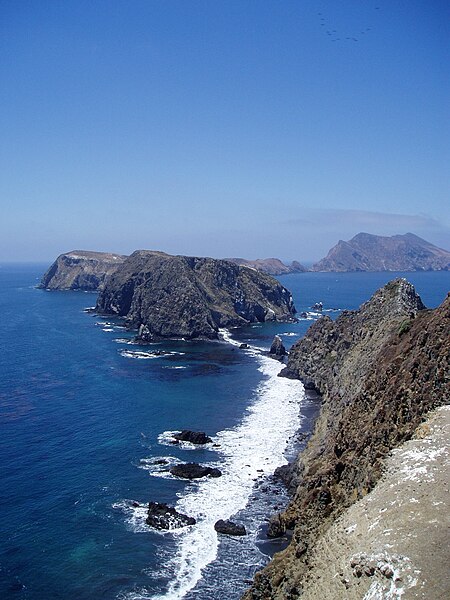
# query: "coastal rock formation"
(166, 296)
(277, 348)
(81, 270)
(193, 471)
(271, 266)
(367, 252)
(161, 516)
(380, 370)
(194, 437)
(229, 528)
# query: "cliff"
(80, 270)
(271, 266)
(366, 252)
(380, 370)
(166, 296)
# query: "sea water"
(86, 416)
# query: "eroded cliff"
(167, 296)
(380, 369)
(80, 270)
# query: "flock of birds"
(333, 33)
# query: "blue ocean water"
(81, 419)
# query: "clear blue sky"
(246, 128)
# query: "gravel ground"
(395, 542)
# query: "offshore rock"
(162, 516)
(81, 270)
(380, 370)
(194, 437)
(277, 348)
(229, 528)
(165, 296)
(367, 252)
(194, 471)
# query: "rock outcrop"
(193, 471)
(194, 437)
(367, 252)
(271, 266)
(162, 516)
(277, 349)
(166, 296)
(81, 270)
(380, 370)
(229, 528)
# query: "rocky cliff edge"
(80, 270)
(380, 369)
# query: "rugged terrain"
(271, 266)
(380, 370)
(80, 270)
(166, 296)
(367, 252)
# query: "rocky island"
(80, 270)
(367, 252)
(271, 266)
(365, 524)
(164, 296)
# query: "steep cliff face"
(367, 252)
(179, 296)
(80, 270)
(380, 370)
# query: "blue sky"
(222, 128)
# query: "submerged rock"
(229, 528)
(194, 437)
(162, 516)
(194, 471)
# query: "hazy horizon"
(242, 129)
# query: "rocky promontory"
(80, 270)
(165, 296)
(367, 252)
(380, 371)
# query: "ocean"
(85, 419)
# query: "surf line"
(249, 451)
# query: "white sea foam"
(139, 355)
(251, 450)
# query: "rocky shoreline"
(381, 370)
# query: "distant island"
(272, 266)
(367, 252)
(165, 296)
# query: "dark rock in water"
(81, 270)
(162, 516)
(193, 471)
(317, 306)
(276, 527)
(165, 296)
(195, 437)
(229, 528)
(277, 348)
(244, 346)
(303, 315)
